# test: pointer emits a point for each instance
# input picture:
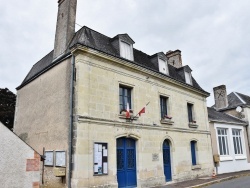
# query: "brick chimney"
(65, 27)
(174, 58)
(220, 97)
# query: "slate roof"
(214, 115)
(236, 99)
(95, 40)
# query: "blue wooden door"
(167, 160)
(126, 162)
(193, 154)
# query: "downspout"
(71, 119)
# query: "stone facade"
(42, 114)
(99, 120)
(19, 163)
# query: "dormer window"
(163, 68)
(188, 78)
(126, 50)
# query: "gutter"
(71, 119)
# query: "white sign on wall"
(49, 158)
(61, 158)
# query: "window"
(237, 141)
(188, 78)
(223, 142)
(164, 108)
(126, 50)
(190, 112)
(193, 152)
(124, 98)
(163, 66)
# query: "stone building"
(19, 163)
(82, 103)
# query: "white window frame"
(221, 136)
(188, 78)
(237, 141)
(163, 67)
(126, 50)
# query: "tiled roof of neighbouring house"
(95, 40)
(214, 115)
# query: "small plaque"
(155, 157)
(59, 172)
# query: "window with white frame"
(126, 50)
(223, 141)
(188, 78)
(237, 141)
(163, 66)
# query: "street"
(243, 182)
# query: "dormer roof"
(125, 37)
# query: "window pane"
(190, 114)
(188, 78)
(124, 98)
(126, 50)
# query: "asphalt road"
(243, 182)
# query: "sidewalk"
(205, 181)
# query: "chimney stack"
(220, 97)
(174, 58)
(65, 27)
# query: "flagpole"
(139, 112)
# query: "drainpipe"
(71, 119)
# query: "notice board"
(100, 158)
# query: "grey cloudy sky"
(213, 35)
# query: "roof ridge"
(239, 97)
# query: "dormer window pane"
(163, 66)
(188, 78)
(126, 50)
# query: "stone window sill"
(240, 157)
(123, 116)
(167, 121)
(192, 125)
(226, 158)
(196, 167)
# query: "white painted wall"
(13, 155)
(232, 162)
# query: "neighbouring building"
(235, 104)
(229, 142)
(19, 163)
(228, 120)
(82, 101)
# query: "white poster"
(95, 168)
(60, 158)
(99, 159)
(105, 168)
(105, 152)
(100, 148)
(49, 158)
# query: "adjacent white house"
(229, 136)
(19, 163)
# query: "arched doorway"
(167, 160)
(126, 162)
